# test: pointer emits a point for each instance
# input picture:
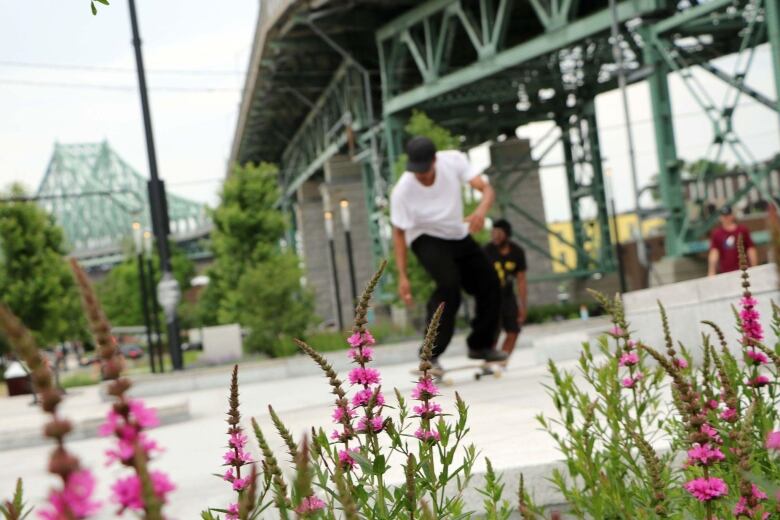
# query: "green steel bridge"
(96, 196)
(338, 76)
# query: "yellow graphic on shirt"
(500, 271)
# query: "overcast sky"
(197, 51)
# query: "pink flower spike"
(229, 476)
(711, 432)
(346, 460)
(232, 512)
(629, 360)
(704, 455)
(630, 344)
(628, 382)
(363, 397)
(729, 415)
(758, 381)
(237, 440)
(680, 363)
(425, 389)
(427, 435)
(743, 509)
(617, 332)
(773, 440)
(706, 489)
(145, 417)
(365, 354)
(110, 426)
(758, 358)
(310, 505)
(431, 409)
(75, 498)
(364, 376)
(357, 339)
(240, 483)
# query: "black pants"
(456, 264)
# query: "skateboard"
(482, 369)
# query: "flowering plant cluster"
(646, 434)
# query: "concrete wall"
(688, 303)
(513, 159)
(343, 180)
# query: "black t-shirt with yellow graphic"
(507, 266)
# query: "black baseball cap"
(725, 210)
(503, 224)
(420, 153)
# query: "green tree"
(252, 281)
(120, 294)
(35, 281)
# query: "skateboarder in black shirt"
(508, 259)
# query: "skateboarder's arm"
(399, 246)
(712, 261)
(477, 219)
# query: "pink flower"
(758, 358)
(309, 505)
(680, 363)
(742, 507)
(240, 483)
(363, 355)
(232, 512)
(711, 432)
(704, 455)
(376, 424)
(749, 316)
(706, 489)
(363, 397)
(429, 410)
(773, 441)
(629, 360)
(427, 435)
(237, 440)
(346, 460)
(145, 417)
(729, 415)
(364, 376)
(712, 404)
(758, 381)
(339, 413)
(125, 448)
(357, 339)
(617, 332)
(237, 459)
(425, 389)
(229, 476)
(630, 382)
(630, 344)
(110, 426)
(127, 491)
(75, 498)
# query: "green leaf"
(365, 463)
(94, 9)
(379, 467)
(104, 2)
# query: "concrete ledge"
(271, 370)
(84, 428)
(688, 303)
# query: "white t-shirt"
(435, 210)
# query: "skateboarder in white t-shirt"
(426, 210)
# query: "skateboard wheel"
(477, 376)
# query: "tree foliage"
(120, 290)
(35, 281)
(252, 281)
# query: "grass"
(79, 379)
(332, 341)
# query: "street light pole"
(157, 202)
(346, 222)
(148, 241)
(334, 270)
(139, 253)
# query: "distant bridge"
(96, 196)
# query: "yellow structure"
(626, 224)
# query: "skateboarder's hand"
(405, 290)
(476, 222)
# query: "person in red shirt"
(724, 255)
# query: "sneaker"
(436, 368)
(487, 355)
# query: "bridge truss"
(329, 77)
(96, 196)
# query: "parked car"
(131, 351)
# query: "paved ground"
(501, 418)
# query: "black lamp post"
(328, 215)
(347, 223)
(155, 311)
(138, 240)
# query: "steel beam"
(549, 42)
(773, 30)
(669, 179)
(597, 187)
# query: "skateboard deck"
(481, 368)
